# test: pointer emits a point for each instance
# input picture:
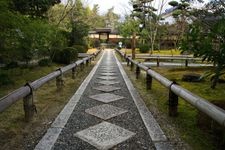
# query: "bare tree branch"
(65, 13)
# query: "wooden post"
(125, 56)
(186, 62)
(59, 80)
(128, 62)
(73, 72)
(138, 71)
(87, 62)
(82, 66)
(173, 102)
(158, 62)
(28, 105)
(131, 66)
(148, 81)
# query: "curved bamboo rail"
(213, 111)
(26, 90)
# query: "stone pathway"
(106, 112)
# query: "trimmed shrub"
(44, 62)
(65, 56)
(144, 48)
(80, 48)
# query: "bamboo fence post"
(131, 66)
(59, 80)
(173, 102)
(157, 61)
(138, 71)
(186, 62)
(128, 62)
(73, 72)
(28, 105)
(148, 80)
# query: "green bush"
(80, 48)
(44, 62)
(144, 48)
(5, 80)
(65, 56)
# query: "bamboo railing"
(160, 58)
(175, 91)
(26, 92)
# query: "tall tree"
(96, 20)
(35, 8)
(150, 15)
(111, 19)
(127, 28)
(79, 22)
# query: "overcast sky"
(121, 7)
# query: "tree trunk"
(133, 45)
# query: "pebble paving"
(106, 116)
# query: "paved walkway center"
(106, 112)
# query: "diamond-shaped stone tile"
(105, 82)
(106, 97)
(108, 74)
(107, 88)
(104, 135)
(107, 77)
(105, 111)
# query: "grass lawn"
(15, 133)
(185, 125)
